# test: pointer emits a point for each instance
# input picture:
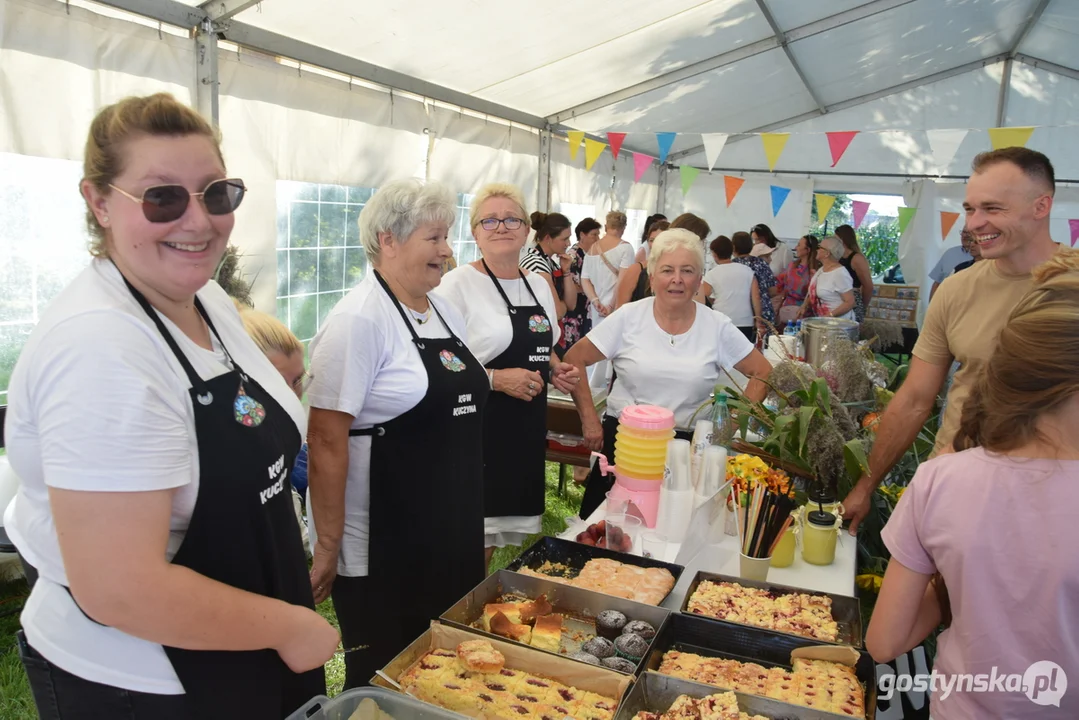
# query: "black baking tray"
(656, 693)
(567, 600)
(575, 555)
(701, 636)
(846, 611)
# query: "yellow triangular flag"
(824, 205)
(592, 150)
(773, 147)
(575, 138)
(1009, 137)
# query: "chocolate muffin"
(585, 657)
(632, 647)
(619, 664)
(639, 627)
(609, 624)
(601, 647)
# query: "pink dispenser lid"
(647, 417)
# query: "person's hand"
(564, 261)
(593, 433)
(565, 377)
(323, 569)
(603, 310)
(309, 642)
(518, 383)
(856, 504)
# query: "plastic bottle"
(722, 427)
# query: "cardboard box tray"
(575, 555)
(846, 611)
(698, 635)
(518, 657)
(570, 601)
(656, 693)
(401, 707)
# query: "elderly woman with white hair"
(395, 468)
(512, 327)
(667, 350)
(831, 291)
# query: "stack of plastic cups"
(640, 453)
(713, 473)
(676, 494)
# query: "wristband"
(491, 378)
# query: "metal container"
(656, 693)
(846, 611)
(574, 556)
(394, 703)
(694, 634)
(569, 601)
(818, 332)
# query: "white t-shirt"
(364, 363)
(830, 288)
(98, 402)
(603, 280)
(471, 292)
(781, 258)
(653, 371)
(732, 287)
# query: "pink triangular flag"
(615, 140)
(859, 209)
(1074, 225)
(838, 142)
(641, 162)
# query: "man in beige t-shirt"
(1008, 201)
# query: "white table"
(722, 558)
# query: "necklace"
(421, 317)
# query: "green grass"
(16, 702)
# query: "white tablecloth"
(722, 559)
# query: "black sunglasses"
(166, 203)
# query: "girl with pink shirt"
(984, 540)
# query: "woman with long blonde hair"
(995, 523)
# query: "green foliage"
(879, 239)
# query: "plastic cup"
(654, 545)
(752, 568)
(622, 532)
(616, 506)
(783, 555)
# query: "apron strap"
(498, 286)
(400, 311)
(377, 430)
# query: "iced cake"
(644, 585)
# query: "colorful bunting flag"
(945, 144)
(665, 141)
(947, 222)
(838, 142)
(641, 162)
(575, 138)
(1009, 137)
(713, 145)
(1074, 225)
(859, 209)
(779, 196)
(615, 139)
(773, 147)
(732, 185)
(689, 174)
(905, 215)
(824, 205)
(592, 150)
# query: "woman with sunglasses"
(512, 327)
(153, 440)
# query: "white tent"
(350, 94)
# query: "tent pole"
(543, 190)
(207, 83)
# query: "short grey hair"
(401, 206)
(676, 239)
(835, 246)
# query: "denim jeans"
(59, 695)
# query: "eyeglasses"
(511, 223)
(302, 383)
(166, 203)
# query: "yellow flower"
(869, 581)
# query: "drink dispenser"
(640, 453)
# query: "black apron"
(243, 532)
(515, 431)
(425, 549)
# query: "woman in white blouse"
(603, 265)
(831, 291)
(512, 326)
(667, 350)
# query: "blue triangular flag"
(779, 196)
(665, 141)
